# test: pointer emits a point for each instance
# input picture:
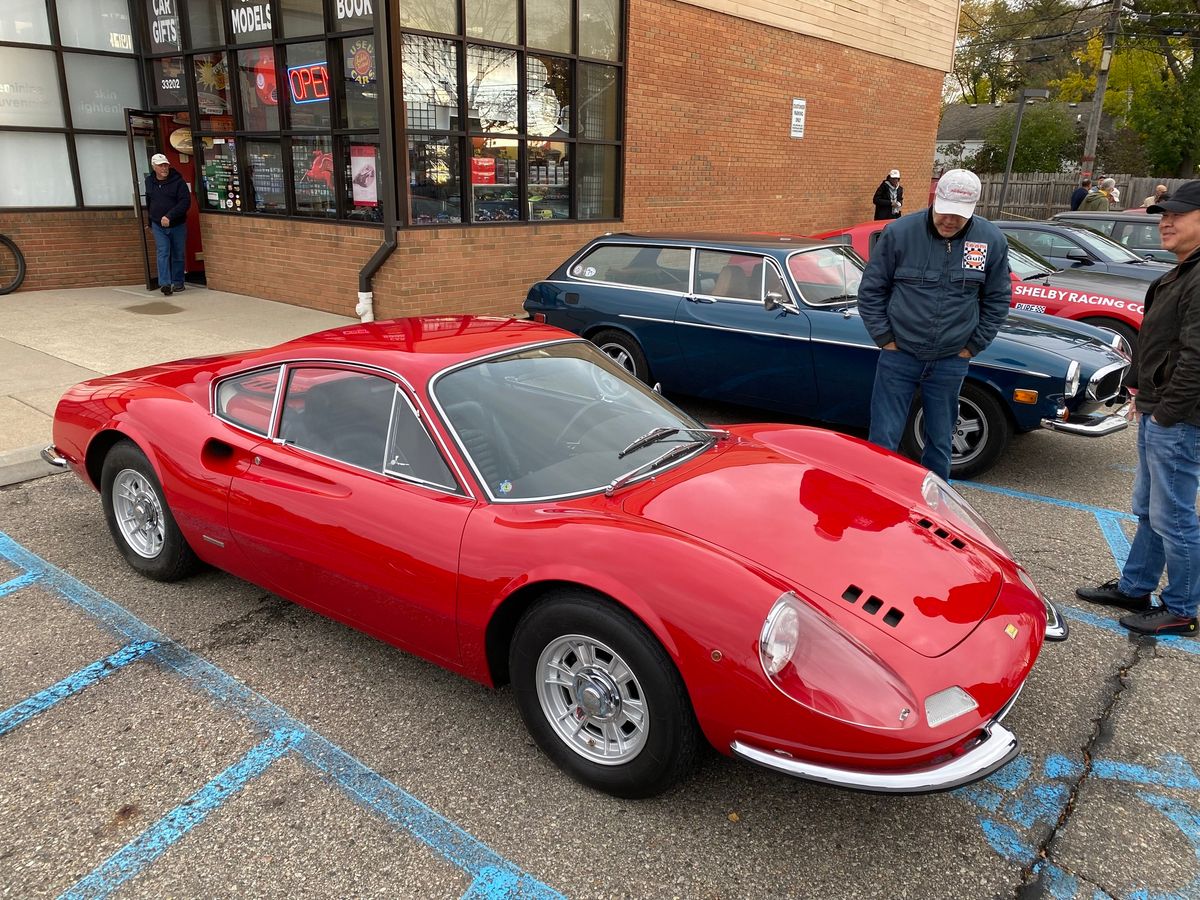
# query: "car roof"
(1116, 215)
(757, 241)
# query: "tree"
(1047, 142)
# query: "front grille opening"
(892, 617)
(872, 605)
(852, 593)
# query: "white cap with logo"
(957, 193)
(895, 173)
(159, 159)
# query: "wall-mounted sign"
(360, 62)
(309, 83)
(354, 9)
(798, 112)
(250, 17)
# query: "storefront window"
(430, 71)
(250, 21)
(167, 82)
(430, 15)
(259, 90)
(36, 170)
(599, 102)
(302, 17)
(312, 176)
(600, 28)
(308, 87)
(435, 191)
(165, 33)
(219, 186)
(495, 191)
(206, 21)
(103, 169)
(100, 88)
(549, 180)
(492, 20)
(212, 92)
(362, 168)
(492, 95)
(264, 185)
(33, 98)
(548, 96)
(24, 21)
(548, 24)
(360, 106)
(597, 174)
(95, 24)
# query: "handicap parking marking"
(493, 876)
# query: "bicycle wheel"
(12, 266)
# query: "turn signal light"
(1020, 395)
(539, 317)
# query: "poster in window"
(362, 175)
(483, 170)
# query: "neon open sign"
(309, 83)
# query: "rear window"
(247, 400)
(664, 268)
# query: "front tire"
(980, 434)
(624, 351)
(139, 519)
(1125, 331)
(601, 697)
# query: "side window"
(1104, 226)
(340, 414)
(665, 268)
(247, 400)
(737, 276)
(411, 453)
(1137, 236)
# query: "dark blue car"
(773, 323)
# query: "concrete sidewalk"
(50, 340)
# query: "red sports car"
(501, 498)
(1107, 301)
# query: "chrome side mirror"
(657, 387)
(772, 301)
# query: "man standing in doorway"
(889, 197)
(1080, 192)
(167, 202)
(935, 293)
(1165, 381)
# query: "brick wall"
(78, 248)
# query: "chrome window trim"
(433, 485)
(770, 334)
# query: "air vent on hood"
(956, 542)
(892, 617)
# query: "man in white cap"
(935, 293)
(167, 203)
(889, 197)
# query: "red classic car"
(499, 497)
(1108, 301)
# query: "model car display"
(500, 498)
(1112, 302)
(772, 322)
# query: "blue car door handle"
(692, 298)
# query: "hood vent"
(872, 605)
(956, 542)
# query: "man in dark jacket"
(1165, 381)
(167, 202)
(935, 293)
(889, 197)
(1077, 195)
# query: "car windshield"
(1024, 263)
(560, 420)
(825, 276)
(1107, 249)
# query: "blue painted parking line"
(130, 860)
(493, 876)
(73, 684)
(21, 581)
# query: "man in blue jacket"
(167, 202)
(935, 293)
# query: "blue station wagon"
(772, 322)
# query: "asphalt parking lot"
(209, 739)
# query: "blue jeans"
(170, 244)
(1168, 530)
(897, 377)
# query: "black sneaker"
(167, 290)
(1107, 594)
(178, 288)
(1160, 621)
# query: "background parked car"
(1135, 230)
(773, 323)
(1113, 302)
(1069, 245)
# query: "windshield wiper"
(840, 298)
(665, 431)
(678, 450)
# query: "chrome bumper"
(1090, 426)
(998, 747)
(51, 455)
(1056, 626)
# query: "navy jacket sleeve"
(876, 289)
(996, 297)
(183, 200)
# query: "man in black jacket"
(167, 202)
(889, 197)
(1166, 382)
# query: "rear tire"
(624, 351)
(980, 435)
(1125, 331)
(12, 265)
(139, 519)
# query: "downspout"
(365, 308)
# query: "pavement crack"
(248, 628)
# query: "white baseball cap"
(957, 193)
(895, 173)
(158, 159)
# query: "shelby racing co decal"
(975, 255)
(1027, 292)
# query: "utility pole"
(1093, 132)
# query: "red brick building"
(497, 135)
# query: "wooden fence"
(1039, 195)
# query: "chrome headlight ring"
(1071, 385)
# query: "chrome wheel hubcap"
(592, 699)
(970, 435)
(139, 513)
(620, 356)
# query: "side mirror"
(1079, 256)
(657, 387)
(772, 301)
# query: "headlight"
(819, 666)
(948, 704)
(940, 496)
(1071, 386)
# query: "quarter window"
(247, 400)
(643, 267)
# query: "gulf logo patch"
(975, 255)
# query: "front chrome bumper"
(51, 455)
(998, 747)
(1090, 426)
